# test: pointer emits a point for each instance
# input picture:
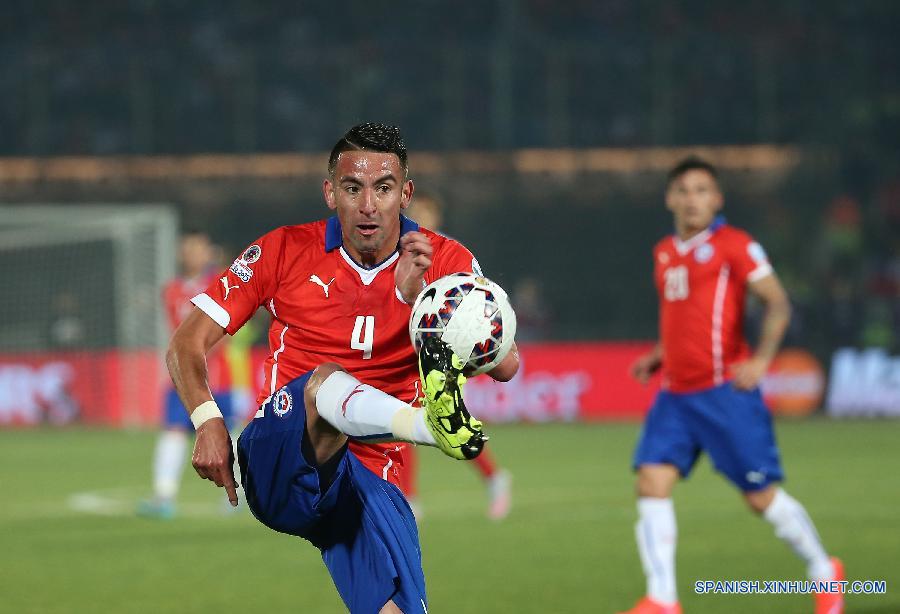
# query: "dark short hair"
(194, 231)
(691, 163)
(370, 137)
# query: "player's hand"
(415, 259)
(645, 366)
(748, 374)
(213, 456)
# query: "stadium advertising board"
(99, 387)
(795, 383)
(864, 383)
(565, 382)
(557, 382)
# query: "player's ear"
(669, 200)
(407, 193)
(328, 192)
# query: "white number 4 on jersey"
(363, 336)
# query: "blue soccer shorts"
(733, 426)
(176, 416)
(361, 523)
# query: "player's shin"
(793, 526)
(361, 411)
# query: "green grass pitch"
(69, 541)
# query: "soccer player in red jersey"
(198, 269)
(322, 458)
(710, 399)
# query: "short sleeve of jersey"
(747, 258)
(249, 282)
(452, 257)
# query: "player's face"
(196, 254)
(694, 199)
(368, 190)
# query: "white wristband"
(204, 412)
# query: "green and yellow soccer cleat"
(457, 433)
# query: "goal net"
(82, 330)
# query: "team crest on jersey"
(283, 403)
(704, 253)
(663, 258)
(251, 254)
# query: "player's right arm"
(228, 302)
(648, 364)
(186, 361)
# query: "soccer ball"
(471, 314)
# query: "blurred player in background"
(427, 210)
(229, 375)
(711, 400)
(339, 292)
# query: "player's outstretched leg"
(456, 432)
(351, 408)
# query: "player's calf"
(326, 440)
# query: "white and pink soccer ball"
(471, 314)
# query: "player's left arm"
(768, 289)
(508, 367)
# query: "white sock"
(168, 463)
(793, 525)
(364, 412)
(656, 533)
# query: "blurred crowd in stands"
(143, 76)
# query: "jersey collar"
(683, 247)
(334, 236)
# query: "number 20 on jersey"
(676, 279)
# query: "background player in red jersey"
(711, 400)
(197, 257)
(341, 374)
(429, 212)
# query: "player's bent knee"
(319, 375)
(656, 480)
(759, 500)
(390, 608)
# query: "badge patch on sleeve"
(240, 266)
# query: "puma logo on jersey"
(228, 288)
(315, 279)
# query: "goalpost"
(81, 301)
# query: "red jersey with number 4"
(325, 307)
(702, 285)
